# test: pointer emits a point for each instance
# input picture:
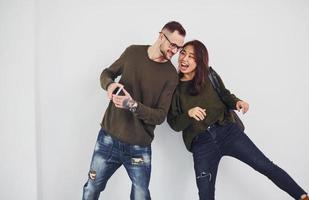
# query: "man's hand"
(242, 105)
(197, 113)
(111, 89)
(121, 101)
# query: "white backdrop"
(18, 157)
(51, 103)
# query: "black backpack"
(213, 77)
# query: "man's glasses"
(172, 45)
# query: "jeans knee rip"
(92, 175)
(137, 160)
(204, 175)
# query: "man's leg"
(104, 163)
(138, 167)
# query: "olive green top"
(149, 83)
(216, 110)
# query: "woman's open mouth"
(183, 66)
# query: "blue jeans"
(209, 147)
(109, 154)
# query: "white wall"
(259, 48)
(17, 101)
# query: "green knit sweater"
(216, 110)
(149, 83)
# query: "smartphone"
(118, 91)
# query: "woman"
(209, 129)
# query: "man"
(139, 102)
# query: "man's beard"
(164, 54)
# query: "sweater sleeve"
(176, 118)
(227, 97)
(112, 72)
(156, 116)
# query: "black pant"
(209, 147)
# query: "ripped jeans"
(217, 141)
(109, 154)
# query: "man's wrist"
(133, 107)
(130, 104)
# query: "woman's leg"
(242, 148)
(206, 159)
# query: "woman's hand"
(242, 105)
(197, 113)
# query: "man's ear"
(161, 36)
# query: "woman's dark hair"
(202, 65)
